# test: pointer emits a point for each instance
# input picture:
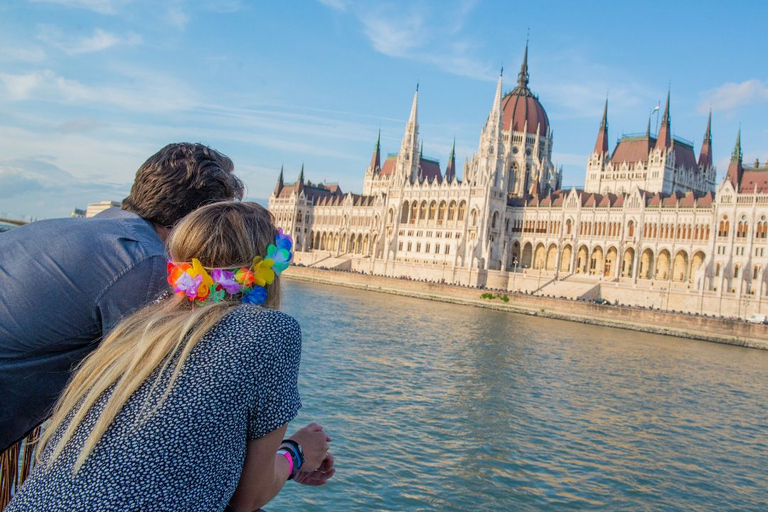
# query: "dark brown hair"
(180, 178)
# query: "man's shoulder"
(116, 232)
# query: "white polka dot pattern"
(239, 383)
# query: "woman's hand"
(318, 476)
(314, 443)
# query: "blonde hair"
(161, 335)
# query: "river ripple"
(435, 406)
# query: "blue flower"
(257, 296)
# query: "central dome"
(521, 106)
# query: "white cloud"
(9, 53)
(100, 40)
(109, 7)
(81, 125)
(339, 5)
(411, 31)
(177, 17)
(35, 187)
(142, 91)
(394, 35)
(730, 96)
(20, 87)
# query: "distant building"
(651, 227)
(77, 212)
(96, 208)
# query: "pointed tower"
(450, 169)
(599, 158)
(705, 156)
(375, 164)
(522, 77)
(664, 139)
(280, 183)
(300, 181)
(735, 169)
(601, 144)
(408, 159)
(494, 124)
(490, 149)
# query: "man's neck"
(162, 232)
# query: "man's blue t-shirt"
(65, 283)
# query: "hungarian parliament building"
(652, 226)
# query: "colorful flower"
(263, 273)
(226, 280)
(175, 271)
(245, 277)
(188, 285)
(197, 270)
(257, 296)
(280, 251)
(216, 294)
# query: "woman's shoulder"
(262, 322)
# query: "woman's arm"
(265, 472)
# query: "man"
(65, 283)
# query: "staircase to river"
(572, 288)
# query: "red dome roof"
(520, 106)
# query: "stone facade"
(650, 227)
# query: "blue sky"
(90, 88)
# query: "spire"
(493, 126)
(601, 144)
(522, 77)
(376, 157)
(409, 156)
(735, 170)
(736, 155)
(421, 150)
(665, 135)
(412, 128)
(279, 185)
(450, 169)
(705, 155)
(648, 129)
(300, 181)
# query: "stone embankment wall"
(653, 321)
(664, 295)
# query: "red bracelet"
(290, 462)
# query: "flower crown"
(193, 281)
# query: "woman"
(184, 406)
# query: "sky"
(89, 89)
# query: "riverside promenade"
(637, 319)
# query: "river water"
(435, 406)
